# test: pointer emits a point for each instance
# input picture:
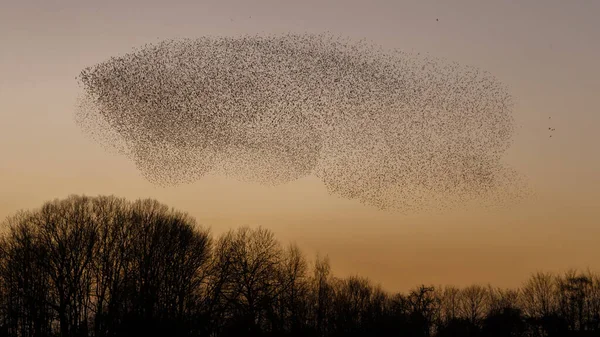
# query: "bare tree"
(112, 263)
(68, 232)
(247, 265)
(474, 303)
(291, 309)
(322, 294)
(539, 295)
(105, 266)
(575, 299)
(24, 280)
(424, 304)
(351, 304)
(88, 262)
(500, 299)
(449, 303)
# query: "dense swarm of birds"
(394, 130)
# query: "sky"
(546, 52)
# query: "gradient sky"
(546, 51)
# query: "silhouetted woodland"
(105, 266)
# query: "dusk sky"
(545, 51)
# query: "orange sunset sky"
(547, 52)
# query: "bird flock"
(551, 129)
(394, 130)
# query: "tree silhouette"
(105, 266)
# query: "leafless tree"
(321, 295)
(474, 303)
(576, 299)
(539, 295)
(26, 305)
(104, 266)
(246, 273)
(291, 311)
(87, 262)
(424, 308)
(449, 303)
(500, 299)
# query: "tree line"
(105, 266)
